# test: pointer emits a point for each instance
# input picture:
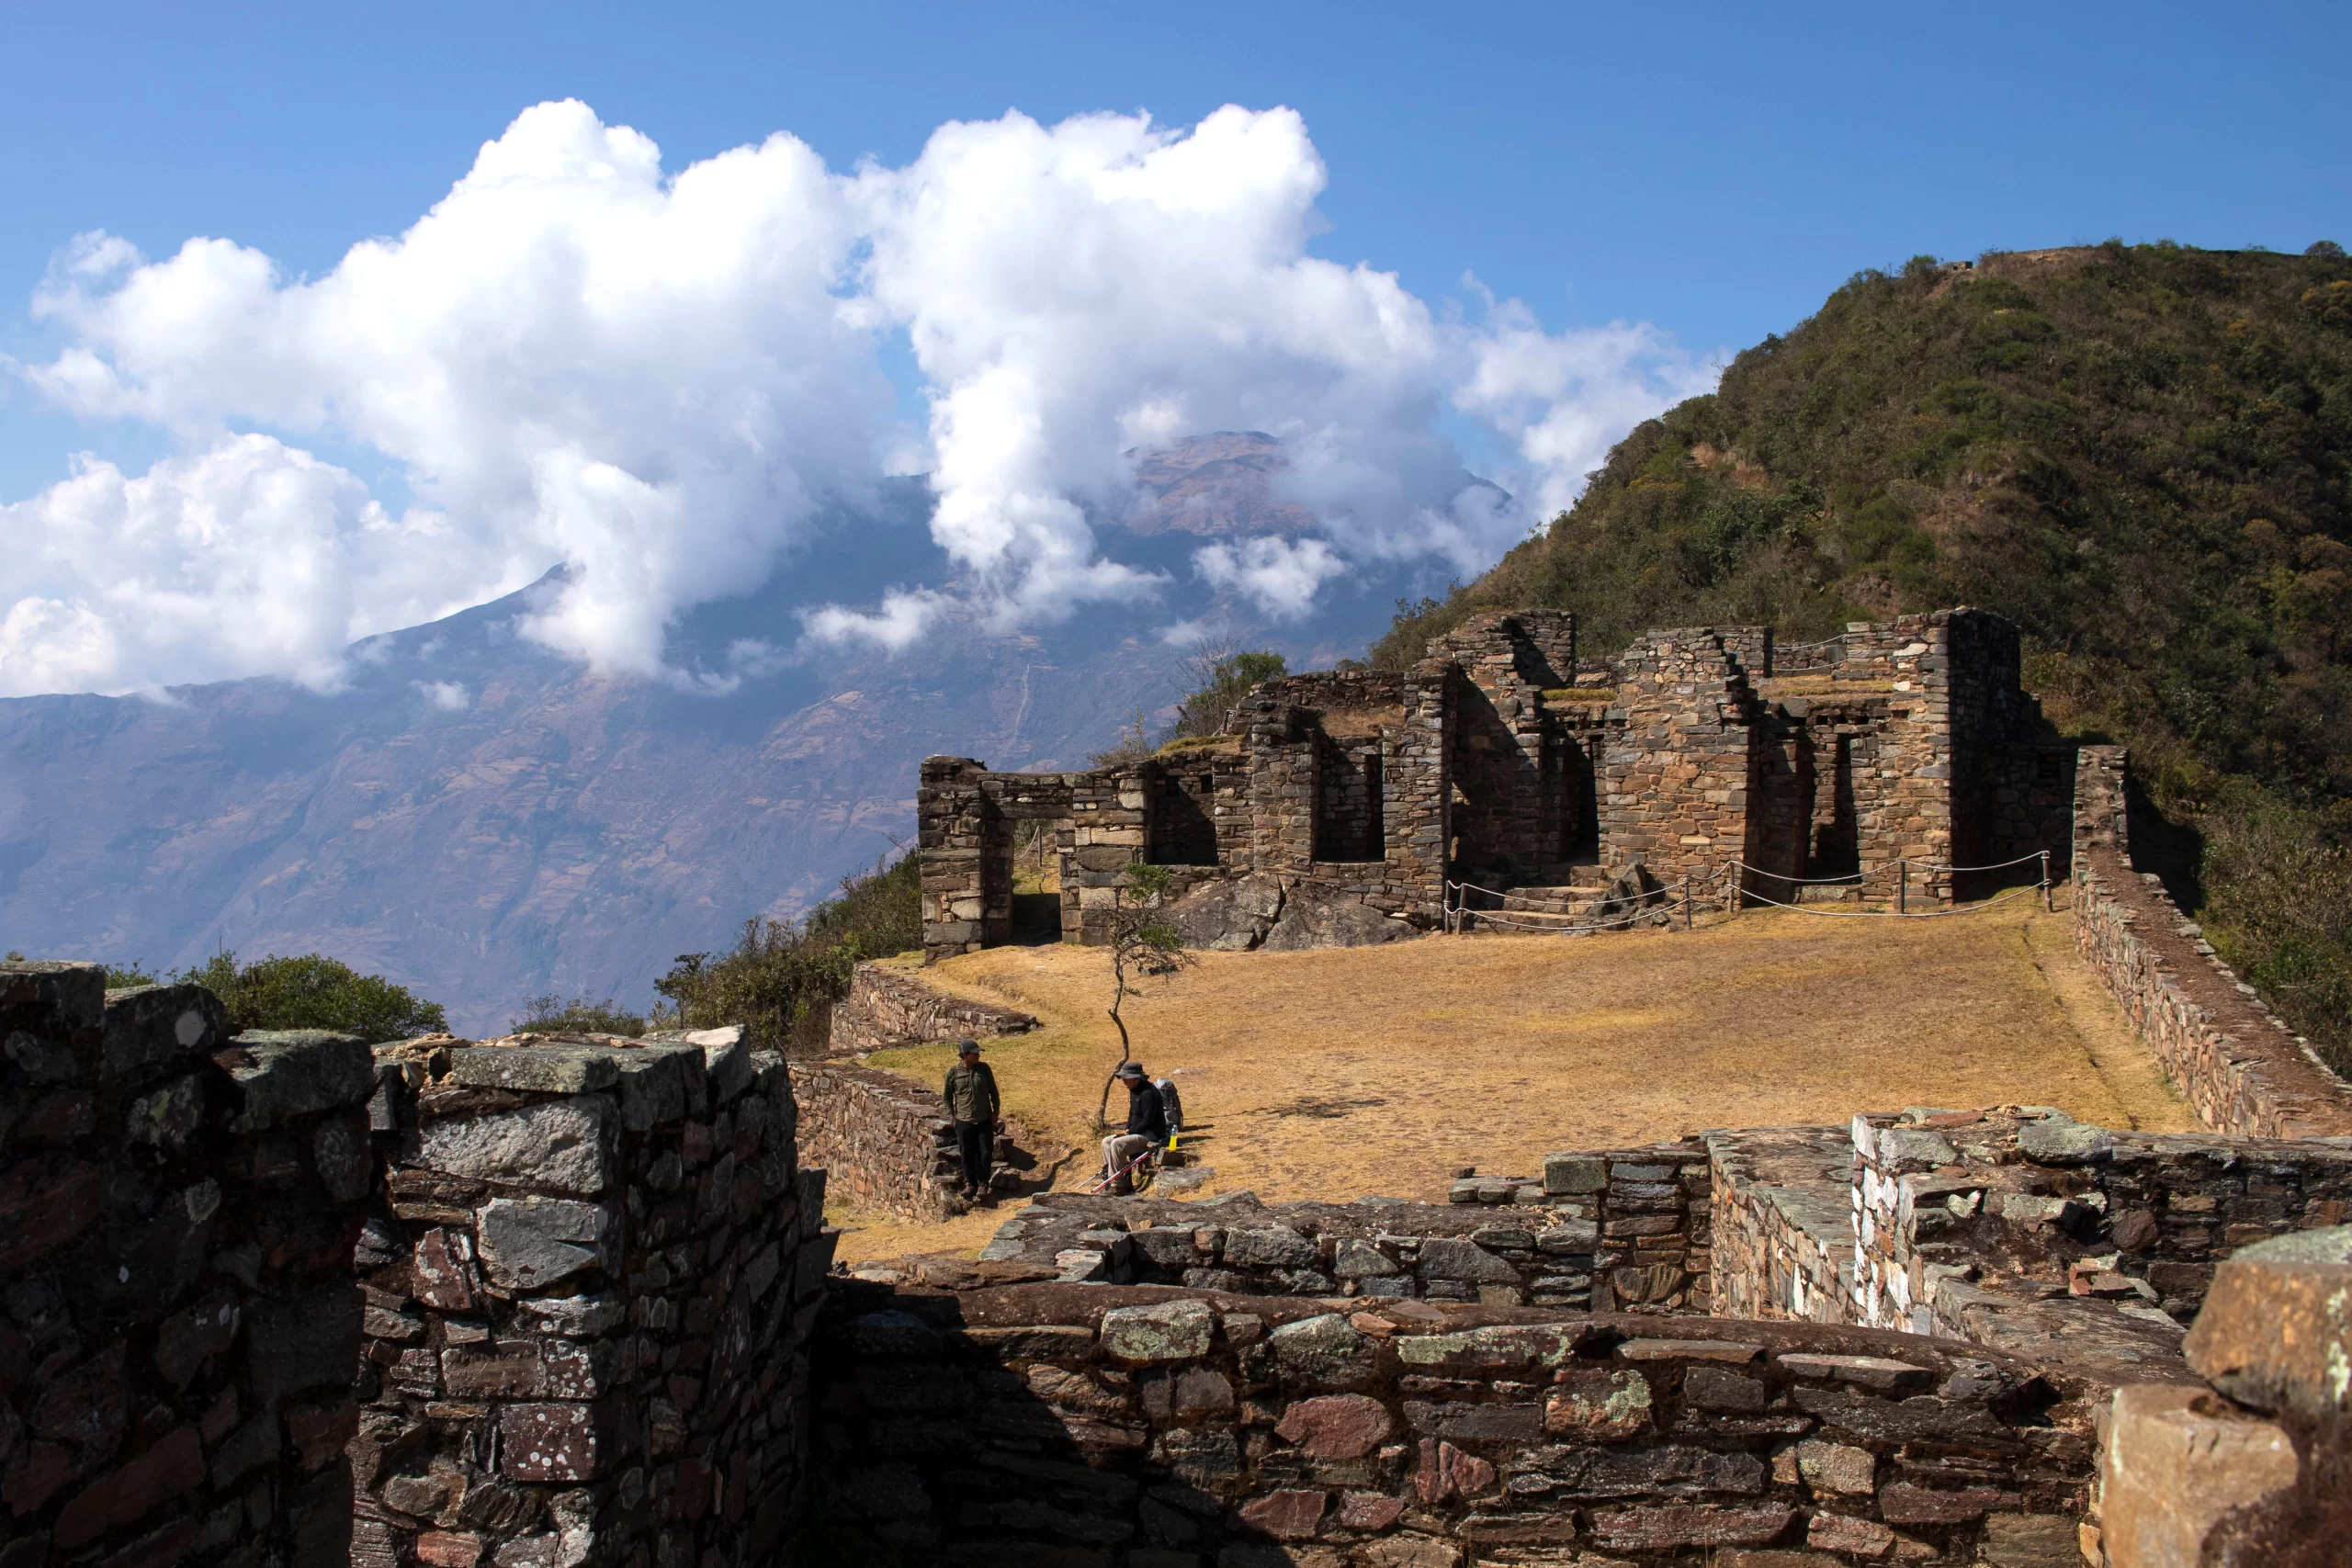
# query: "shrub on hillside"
(782, 977)
(315, 992)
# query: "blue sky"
(1709, 171)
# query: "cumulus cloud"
(1280, 576)
(660, 380)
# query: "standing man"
(1147, 1129)
(972, 1101)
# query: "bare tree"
(1144, 942)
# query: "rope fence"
(1458, 915)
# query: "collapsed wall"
(590, 1282)
(177, 1210)
(1052, 1423)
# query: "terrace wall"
(887, 1007)
(2238, 1066)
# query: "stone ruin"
(1340, 805)
(284, 1301)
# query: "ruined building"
(1510, 760)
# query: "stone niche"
(588, 1288)
(178, 1211)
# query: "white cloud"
(1279, 575)
(659, 379)
(898, 625)
(450, 696)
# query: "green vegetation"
(782, 976)
(1219, 678)
(2143, 455)
(584, 1014)
(123, 976)
(314, 992)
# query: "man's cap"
(967, 1047)
(1131, 1070)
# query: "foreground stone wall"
(888, 1006)
(2255, 1472)
(2238, 1066)
(1160, 1428)
(588, 1298)
(177, 1210)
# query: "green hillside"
(2141, 454)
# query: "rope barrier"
(1898, 914)
(1656, 902)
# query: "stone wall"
(2085, 1250)
(1674, 791)
(888, 1006)
(588, 1295)
(1782, 1204)
(178, 1211)
(885, 1144)
(2239, 1068)
(1074, 1423)
(1623, 1230)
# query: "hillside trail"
(1341, 1073)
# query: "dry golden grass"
(1346, 1072)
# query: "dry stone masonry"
(886, 1006)
(1573, 1250)
(2239, 1067)
(1074, 1423)
(888, 1146)
(1548, 780)
(589, 1283)
(177, 1210)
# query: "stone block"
(149, 1026)
(1863, 1371)
(2054, 1141)
(1450, 1258)
(1599, 1405)
(560, 1442)
(1336, 1426)
(1269, 1246)
(1836, 1470)
(566, 1145)
(538, 1069)
(531, 1243)
(2175, 1466)
(1170, 1331)
(298, 1072)
(1326, 1349)
(2276, 1329)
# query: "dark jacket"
(1146, 1115)
(971, 1094)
